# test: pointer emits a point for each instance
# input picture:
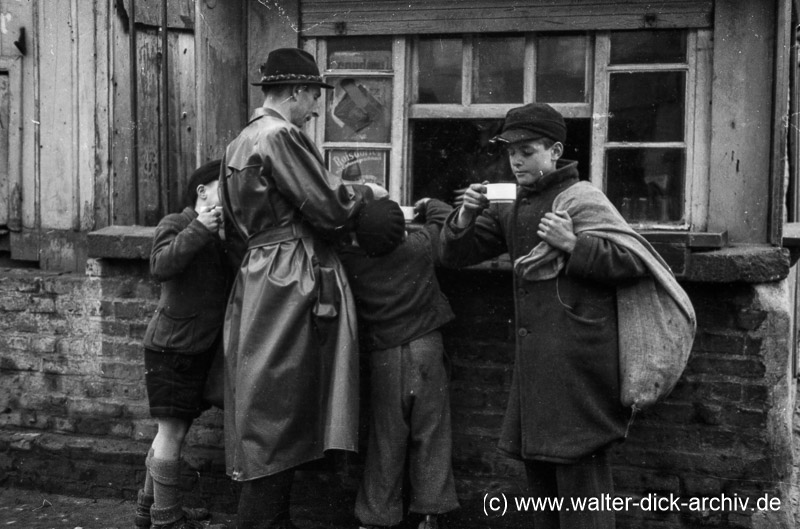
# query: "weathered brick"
(129, 351)
(715, 342)
(746, 367)
(131, 309)
(750, 319)
(43, 344)
(122, 371)
(115, 328)
(42, 304)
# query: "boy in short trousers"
(183, 336)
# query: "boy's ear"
(558, 149)
(201, 191)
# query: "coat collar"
(190, 213)
(260, 112)
(565, 170)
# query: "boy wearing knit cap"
(180, 342)
(400, 310)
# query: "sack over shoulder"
(655, 339)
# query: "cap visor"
(515, 135)
(317, 83)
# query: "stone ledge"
(754, 263)
(732, 264)
(121, 242)
(739, 263)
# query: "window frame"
(697, 119)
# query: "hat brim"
(288, 81)
(516, 135)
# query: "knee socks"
(165, 475)
(145, 497)
(264, 502)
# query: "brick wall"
(73, 412)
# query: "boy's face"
(530, 160)
(212, 193)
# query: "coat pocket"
(328, 295)
(172, 332)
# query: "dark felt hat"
(531, 122)
(290, 66)
(380, 227)
(205, 174)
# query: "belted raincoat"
(291, 384)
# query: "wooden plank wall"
(270, 25)
(221, 43)
(741, 119)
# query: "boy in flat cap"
(180, 342)
(564, 408)
(291, 357)
(400, 310)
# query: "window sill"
(121, 242)
(737, 263)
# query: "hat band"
(291, 77)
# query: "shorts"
(175, 382)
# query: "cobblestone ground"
(25, 509)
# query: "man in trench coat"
(291, 384)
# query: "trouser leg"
(265, 501)
(542, 484)
(587, 479)
(431, 479)
(380, 500)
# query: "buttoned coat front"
(564, 401)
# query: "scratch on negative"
(269, 4)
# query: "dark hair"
(205, 174)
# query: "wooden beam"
(322, 18)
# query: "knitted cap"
(380, 227)
(531, 122)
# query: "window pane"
(450, 154)
(646, 185)
(360, 53)
(646, 106)
(359, 109)
(359, 166)
(439, 75)
(648, 47)
(497, 70)
(561, 69)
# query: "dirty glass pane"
(439, 76)
(646, 106)
(497, 69)
(359, 166)
(646, 185)
(561, 69)
(449, 154)
(359, 109)
(360, 53)
(648, 47)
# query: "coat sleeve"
(436, 213)
(482, 239)
(174, 248)
(604, 261)
(300, 176)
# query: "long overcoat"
(564, 401)
(291, 384)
